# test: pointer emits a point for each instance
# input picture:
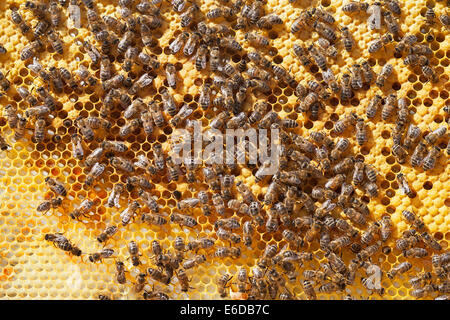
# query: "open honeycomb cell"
(31, 268)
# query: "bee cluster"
(321, 190)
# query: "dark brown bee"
(411, 218)
(107, 233)
(18, 20)
(56, 42)
(430, 16)
(268, 21)
(399, 269)
(41, 28)
(133, 250)
(430, 73)
(302, 54)
(56, 186)
(430, 241)
(31, 49)
(430, 160)
(354, 6)
(47, 205)
(120, 272)
(391, 23)
(303, 21)
(98, 256)
(324, 30)
(445, 19)
(256, 39)
(379, 43)
(361, 131)
(61, 242)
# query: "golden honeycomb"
(31, 268)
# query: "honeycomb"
(34, 269)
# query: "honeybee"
(386, 71)
(411, 218)
(61, 242)
(129, 127)
(248, 231)
(188, 203)
(219, 12)
(302, 54)
(16, 17)
(347, 39)
(83, 209)
(38, 112)
(107, 233)
(430, 16)
(308, 289)
(361, 131)
(327, 48)
(68, 79)
(56, 42)
(84, 75)
(41, 28)
(379, 43)
(30, 50)
(92, 52)
(445, 20)
(324, 30)
(227, 223)
(406, 189)
(256, 39)
(433, 136)
(224, 252)
(47, 205)
(304, 20)
(157, 275)
(129, 213)
(391, 23)
(354, 6)
(220, 120)
(12, 111)
(430, 159)
(187, 18)
(268, 21)
(56, 186)
(96, 170)
(407, 41)
(94, 157)
(191, 44)
(183, 220)
(169, 104)
(222, 283)
(171, 76)
(430, 73)
(153, 219)
(399, 269)
(133, 250)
